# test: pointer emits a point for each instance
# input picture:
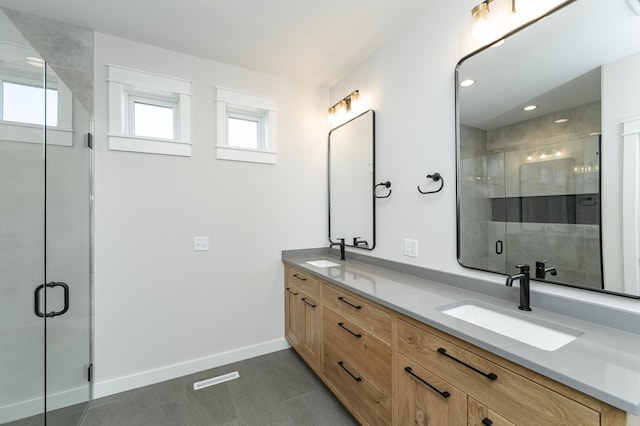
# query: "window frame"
(15, 131)
(134, 97)
(261, 141)
(230, 103)
(125, 87)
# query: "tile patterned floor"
(274, 389)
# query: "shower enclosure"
(45, 222)
(534, 202)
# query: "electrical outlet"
(200, 243)
(410, 247)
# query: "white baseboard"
(145, 378)
(32, 407)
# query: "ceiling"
(317, 42)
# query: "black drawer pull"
(350, 304)
(291, 291)
(486, 422)
(358, 335)
(299, 277)
(490, 376)
(444, 394)
(304, 299)
(356, 378)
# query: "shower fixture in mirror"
(351, 182)
(548, 149)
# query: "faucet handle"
(524, 269)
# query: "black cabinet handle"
(291, 291)
(51, 314)
(486, 422)
(356, 378)
(358, 335)
(444, 394)
(299, 277)
(304, 299)
(350, 304)
(490, 376)
(499, 247)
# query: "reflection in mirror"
(541, 149)
(351, 181)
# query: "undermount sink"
(532, 331)
(323, 263)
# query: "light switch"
(200, 243)
(410, 247)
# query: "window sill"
(246, 155)
(31, 133)
(149, 145)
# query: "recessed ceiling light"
(36, 62)
(561, 120)
(468, 82)
(530, 107)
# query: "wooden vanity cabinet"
(426, 399)
(357, 354)
(497, 392)
(303, 321)
(388, 369)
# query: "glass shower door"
(22, 233)
(45, 291)
(67, 256)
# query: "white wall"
(410, 84)
(619, 103)
(161, 309)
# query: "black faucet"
(541, 270)
(523, 277)
(341, 244)
(357, 242)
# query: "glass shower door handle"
(52, 314)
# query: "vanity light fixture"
(344, 106)
(479, 16)
(530, 107)
(468, 82)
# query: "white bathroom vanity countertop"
(603, 362)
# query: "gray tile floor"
(273, 389)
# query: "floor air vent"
(215, 380)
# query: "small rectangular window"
(155, 121)
(22, 103)
(246, 127)
(148, 112)
(245, 131)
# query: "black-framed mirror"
(546, 169)
(351, 181)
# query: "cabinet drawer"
(426, 399)
(359, 394)
(479, 415)
(360, 312)
(359, 348)
(518, 399)
(302, 280)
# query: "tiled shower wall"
(533, 158)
